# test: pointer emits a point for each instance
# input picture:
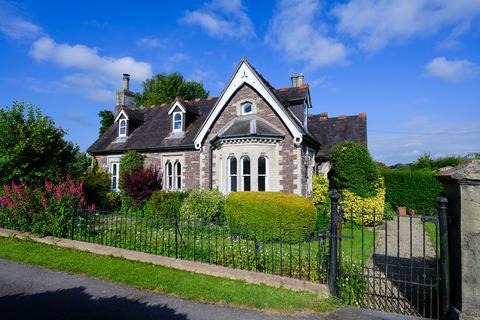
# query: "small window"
(246, 180)
(115, 173)
(247, 108)
(262, 173)
(178, 175)
(177, 121)
(122, 128)
(168, 176)
(232, 174)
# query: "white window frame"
(230, 175)
(114, 176)
(181, 121)
(243, 174)
(243, 107)
(168, 176)
(124, 126)
(177, 177)
(262, 175)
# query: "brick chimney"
(125, 97)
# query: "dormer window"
(177, 121)
(247, 108)
(122, 128)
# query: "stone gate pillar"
(462, 187)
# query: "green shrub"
(164, 203)
(208, 205)
(292, 216)
(354, 169)
(113, 200)
(321, 200)
(97, 185)
(417, 189)
(129, 162)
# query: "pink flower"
(58, 192)
(91, 208)
(44, 201)
(48, 186)
(7, 190)
(17, 190)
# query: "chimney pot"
(126, 82)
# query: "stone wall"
(188, 159)
(462, 187)
(289, 156)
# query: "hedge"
(373, 207)
(274, 215)
(416, 189)
(206, 205)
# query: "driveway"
(30, 292)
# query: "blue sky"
(413, 66)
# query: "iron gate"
(390, 262)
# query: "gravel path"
(402, 271)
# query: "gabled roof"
(246, 74)
(331, 131)
(130, 114)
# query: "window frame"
(168, 175)
(181, 121)
(177, 177)
(245, 175)
(265, 175)
(230, 175)
(243, 107)
(114, 176)
(120, 127)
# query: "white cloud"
(151, 42)
(87, 59)
(221, 18)
(16, 27)
(423, 134)
(293, 31)
(452, 70)
(375, 23)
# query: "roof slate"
(331, 131)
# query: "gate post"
(333, 265)
(442, 202)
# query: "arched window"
(168, 176)
(178, 175)
(247, 108)
(262, 173)
(232, 174)
(177, 121)
(114, 171)
(122, 128)
(246, 186)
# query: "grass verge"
(178, 283)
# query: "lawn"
(431, 231)
(164, 280)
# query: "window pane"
(247, 107)
(114, 183)
(246, 165)
(169, 168)
(246, 183)
(179, 182)
(261, 183)
(262, 165)
(170, 182)
(179, 169)
(233, 165)
(114, 169)
(233, 183)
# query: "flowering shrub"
(354, 205)
(352, 284)
(43, 211)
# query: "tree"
(106, 120)
(32, 149)
(164, 88)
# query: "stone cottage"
(252, 137)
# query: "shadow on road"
(75, 303)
